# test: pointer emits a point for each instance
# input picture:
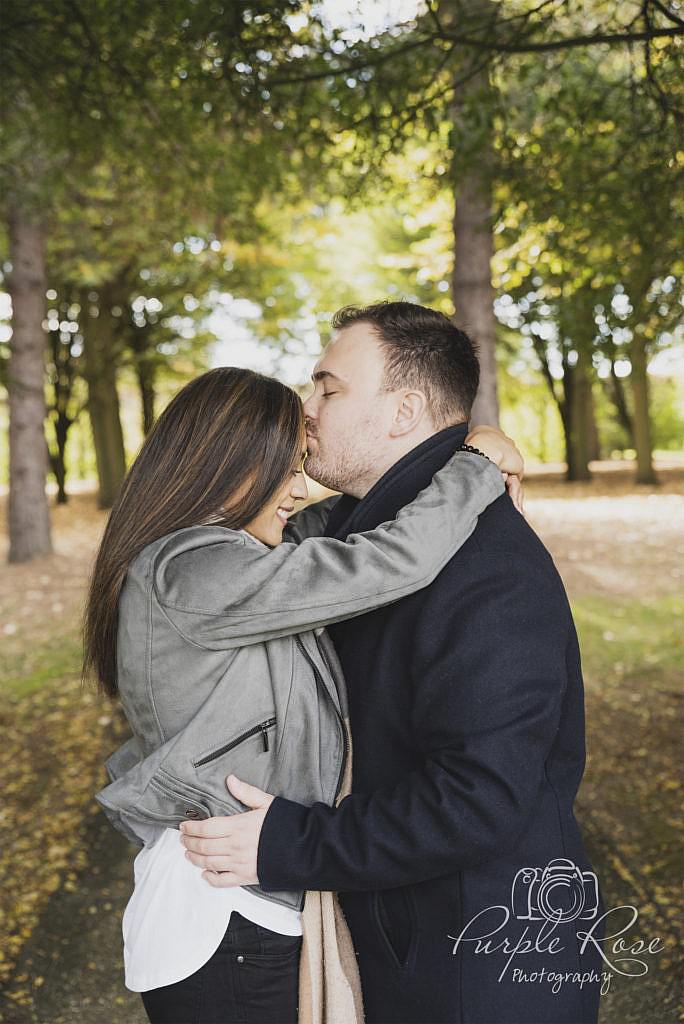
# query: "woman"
(208, 629)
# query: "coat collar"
(399, 486)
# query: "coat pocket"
(395, 919)
(260, 730)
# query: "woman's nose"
(300, 489)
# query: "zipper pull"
(264, 735)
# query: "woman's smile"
(283, 512)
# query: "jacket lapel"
(318, 657)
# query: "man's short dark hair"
(424, 349)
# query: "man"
(459, 862)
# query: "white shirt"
(175, 920)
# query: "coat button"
(240, 959)
(191, 813)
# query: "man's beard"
(351, 469)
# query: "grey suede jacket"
(222, 664)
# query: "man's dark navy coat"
(466, 708)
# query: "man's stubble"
(349, 464)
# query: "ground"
(66, 874)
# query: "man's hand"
(226, 847)
(502, 450)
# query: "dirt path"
(76, 947)
(622, 561)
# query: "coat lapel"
(398, 487)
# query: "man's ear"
(411, 409)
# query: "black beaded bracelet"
(475, 451)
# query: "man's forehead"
(348, 346)
(331, 362)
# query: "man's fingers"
(247, 794)
(211, 846)
(207, 847)
(219, 827)
(213, 863)
(215, 827)
(226, 847)
(223, 879)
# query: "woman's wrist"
(474, 451)
(488, 440)
(497, 447)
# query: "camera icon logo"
(559, 892)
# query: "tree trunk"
(146, 384)
(29, 520)
(566, 408)
(60, 377)
(561, 401)
(472, 289)
(103, 405)
(593, 436)
(58, 458)
(618, 395)
(642, 421)
(146, 372)
(473, 161)
(578, 441)
(542, 412)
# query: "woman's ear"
(411, 409)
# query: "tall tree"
(66, 403)
(473, 170)
(446, 66)
(131, 82)
(609, 138)
(103, 398)
(28, 513)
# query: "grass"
(630, 799)
(625, 640)
(27, 671)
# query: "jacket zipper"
(320, 681)
(261, 727)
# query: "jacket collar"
(399, 485)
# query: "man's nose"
(310, 408)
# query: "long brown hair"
(217, 454)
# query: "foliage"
(182, 151)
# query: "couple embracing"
(358, 728)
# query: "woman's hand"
(503, 451)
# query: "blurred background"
(194, 183)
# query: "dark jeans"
(252, 978)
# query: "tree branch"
(667, 13)
(488, 45)
(567, 43)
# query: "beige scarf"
(329, 984)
